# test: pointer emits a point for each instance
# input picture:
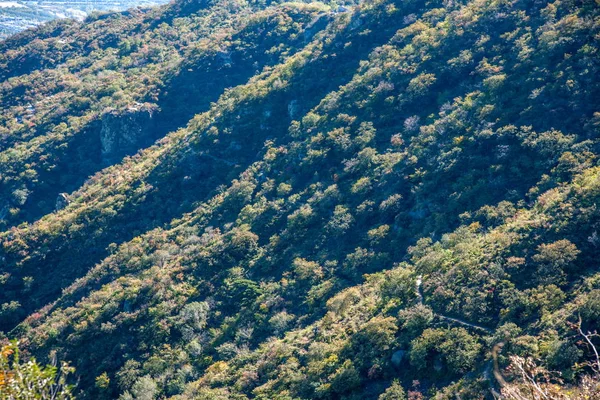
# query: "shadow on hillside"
(192, 177)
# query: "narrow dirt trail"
(491, 367)
(419, 292)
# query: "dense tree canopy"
(261, 200)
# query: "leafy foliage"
(29, 380)
(376, 200)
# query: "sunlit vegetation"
(28, 380)
(382, 200)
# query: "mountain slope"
(391, 191)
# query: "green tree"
(28, 380)
(455, 348)
(394, 392)
(552, 259)
(345, 379)
(143, 389)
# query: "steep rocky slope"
(327, 201)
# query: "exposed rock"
(62, 201)
(124, 134)
(293, 109)
(225, 57)
(397, 357)
(4, 211)
(317, 25)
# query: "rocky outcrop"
(125, 133)
(397, 357)
(62, 200)
(4, 209)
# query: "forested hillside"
(262, 200)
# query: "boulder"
(397, 357)
(125, 133)
(62, 201)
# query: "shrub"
(29, 380)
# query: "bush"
(553, 259)
(345, 379)
(29, 380)
(455, 348)
(394, 392)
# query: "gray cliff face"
(124, 134)
(62, 201)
